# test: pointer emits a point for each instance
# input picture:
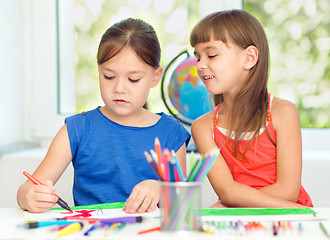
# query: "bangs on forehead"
(207, 29)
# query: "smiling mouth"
(207, 78)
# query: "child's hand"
(144, 197)
(39, 198)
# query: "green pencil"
(324, 229)
(191, 161)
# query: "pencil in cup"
(177, 202)
(182, 205)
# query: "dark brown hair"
(250, 103)
(135, 33)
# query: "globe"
(184, 93)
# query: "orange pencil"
(149, 230)
(159, 153)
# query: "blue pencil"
(178, 168)
(92, 228)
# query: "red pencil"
(149, 230)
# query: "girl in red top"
(258, 135)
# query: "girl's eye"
(109, 78)
(212, 56)
(133, 80)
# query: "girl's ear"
(251, 57)
(157, 76)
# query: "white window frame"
(42, 120)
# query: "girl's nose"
(119, 86)
(200, 65)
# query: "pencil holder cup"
(180, 206)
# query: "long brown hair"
(250, 103)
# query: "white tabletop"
(10, 218)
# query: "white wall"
(12, 72)
(11, 176)
(315, 177)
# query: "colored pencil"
(194, 171)
(166, 167)
(60, 201)
(159, 152)
(192, 161)
(170, 165)
(159, 164)
(74, 227)
(149, 230)
(177, 165)
(179, 209)
(112, 226)
(324, 230)
(152, 163)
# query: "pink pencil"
(160, 168)
(166, 154)
(151, 161)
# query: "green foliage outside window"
(298, 32)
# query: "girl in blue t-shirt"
(106, 145)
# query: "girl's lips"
(120, 101)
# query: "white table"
(11, 217)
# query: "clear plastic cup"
(180, 206)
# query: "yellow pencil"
(74, 227)
(111, 227)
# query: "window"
(299, 39)
(171, 19)
(48, 101)
(88, 20)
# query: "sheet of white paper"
(97, 213)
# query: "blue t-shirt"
(108, 158)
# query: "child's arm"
(285, 118)
(145, 195)
(39, 198)
(231, 193)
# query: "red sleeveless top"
(259, 168)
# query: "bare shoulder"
(202, 132)
(204, 122)
(284, 111)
